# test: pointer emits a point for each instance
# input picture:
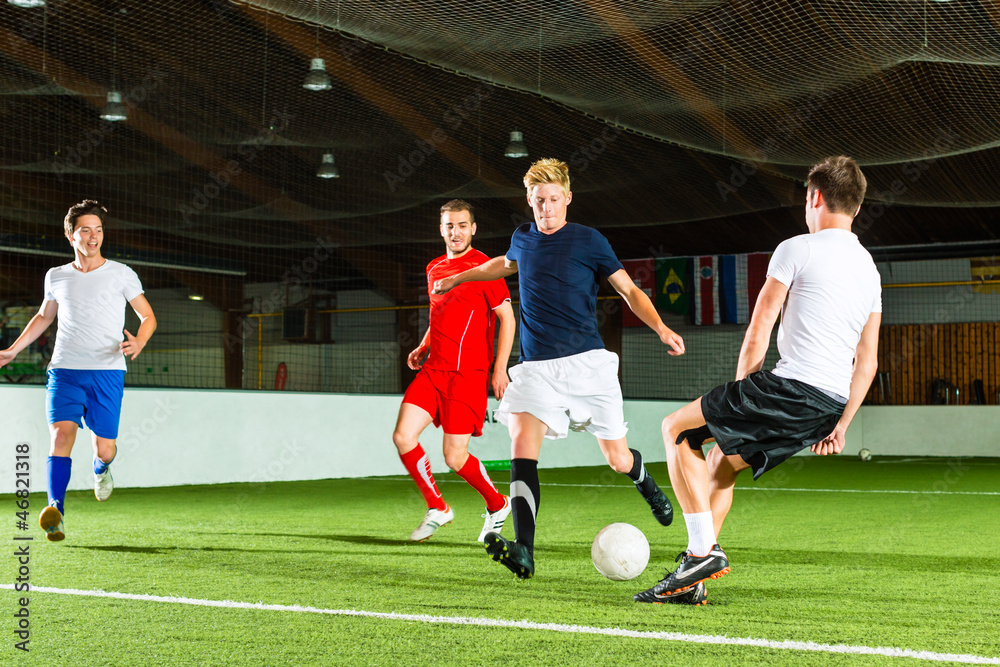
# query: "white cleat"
(433, 520)
(494, 521)
(103, 485)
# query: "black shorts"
(765, 419)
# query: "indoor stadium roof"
(689, 126)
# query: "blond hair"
(545, 171)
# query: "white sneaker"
(104, 484)
(494, 522)
(433, 520)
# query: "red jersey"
(462, 322)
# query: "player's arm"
(418, 356)
(865, 365)
(37, 325)
(494, 269)
(505, 317)
(644, 310)
(758, 337)
(133, 345)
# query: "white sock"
(701, 533)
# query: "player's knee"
(61, 442)
(620, 461)
(403, 442)
(455, 459)
(669, 430)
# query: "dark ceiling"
(688, 126)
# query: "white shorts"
(579, 392)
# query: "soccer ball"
(865, 455)
(620, 552)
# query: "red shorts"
(456, 401)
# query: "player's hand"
(130, 347)
(6, 356)
(676, 343)
(500, 382)
(831, 444)
(417, 358)
(444, 285)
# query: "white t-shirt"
(91, 314)
(833, 288)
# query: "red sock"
(419, 467)
(474, 473)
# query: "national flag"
(673, 285)
(756, 275)
(732, 285)
(705, 290)
(642, 273)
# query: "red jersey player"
(450, 389)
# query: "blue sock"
(58, 469)
(100, 467)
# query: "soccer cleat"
(515, 557)
(695, 596)
(494, 521)
(433, 520)
(104, 484)
(51, 522)
(663, 511)
(692, 571)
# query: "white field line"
(738, 488)
(551, 627)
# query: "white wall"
(172, 437)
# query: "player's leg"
(689, 476)
(629, 462)
(471, 469)
(723, 471)
(62, 435)
(463, 412)
(105, 450)
(105, 391)
(410, 423)
(526, 434)
(64, 404)
(599, 398)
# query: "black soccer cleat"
(515, 557)
(663, 511)
(695, 596)
(692, 571)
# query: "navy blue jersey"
(558, 276)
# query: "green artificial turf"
(866, 568)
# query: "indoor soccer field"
(280, 181)
(834, 562)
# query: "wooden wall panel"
(960, 353)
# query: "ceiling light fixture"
(27, 4)
(196, 297)
(516, 147)
(327, 168)
(114, 110)
(317, 78)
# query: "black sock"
(644, 483)
(524, 497)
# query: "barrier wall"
(173, 437)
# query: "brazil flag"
(671, 285)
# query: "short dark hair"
(86, 207)
(458, 205)
(840, 180)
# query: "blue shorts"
(73, 395)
